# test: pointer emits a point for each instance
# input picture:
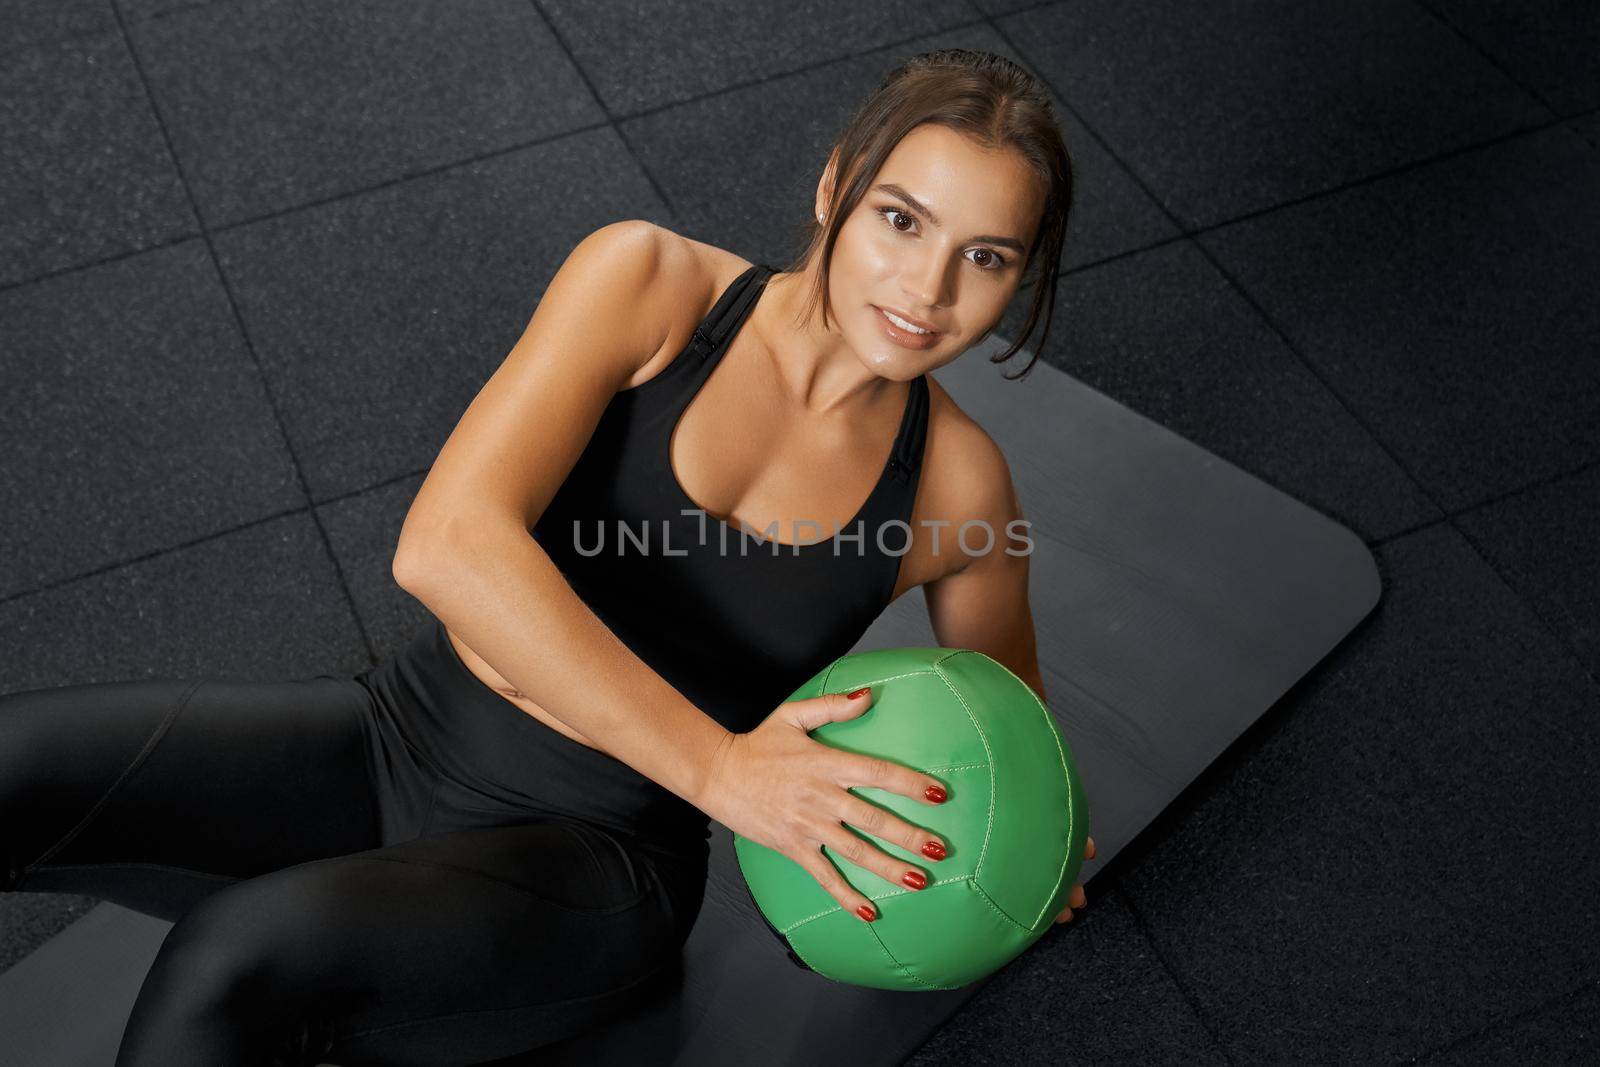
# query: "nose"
(924, 285)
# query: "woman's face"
(939, 237)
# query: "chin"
(896, 367)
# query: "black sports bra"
(734, 622)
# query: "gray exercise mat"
(1175, 597)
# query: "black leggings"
(399, 867)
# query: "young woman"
(496, 837)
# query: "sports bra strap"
(730, 308)
(908, 446)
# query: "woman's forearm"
(493, 585)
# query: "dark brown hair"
(985, 97)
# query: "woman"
(496, 838)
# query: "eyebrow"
(916, 205)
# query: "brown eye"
(995, 262)
(889, 214)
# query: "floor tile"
(1588, 128)
(87, 176)
(1374, 871)
(1451, 307)
(264, 601)
(379, 318)
(1163, 333)
(1090, 991)
(32, 22)
(779, 134)
(663, 52)
(1549, 46)
(364, 529)
(1542, 542)
(135, 419)
(272, 104)
(1229, 108)
(1562, 1031)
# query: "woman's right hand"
(781, 788)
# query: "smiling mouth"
(906, 325)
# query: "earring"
(822, 216)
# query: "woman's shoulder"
(965, 478)
(960, 447)
(689, 277)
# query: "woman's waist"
(497, 684)
(483, 742)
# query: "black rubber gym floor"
(256, 257)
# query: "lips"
(912, 319)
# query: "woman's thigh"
(155, 793)
(453, 948)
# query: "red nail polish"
(915, 879)
(866, 912)
(857, 692)
(933, 850)
(935, 793)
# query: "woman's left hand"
(1077, 899)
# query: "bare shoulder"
(965, 478)
(688, 278)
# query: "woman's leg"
(281, 824)
(450, 949)
(156, 793)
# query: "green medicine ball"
(1015, 823)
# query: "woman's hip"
(491, 761)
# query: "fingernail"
(915, 879)
(858, 692)
(933, 850)
(866, 912)
(935, 793)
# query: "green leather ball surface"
(1014, 823)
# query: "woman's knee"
(272, 938)
(209, 957)
(236, 973)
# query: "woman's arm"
(466, 551)
(984, 605)
(494, 585)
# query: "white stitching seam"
(1072, 813)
